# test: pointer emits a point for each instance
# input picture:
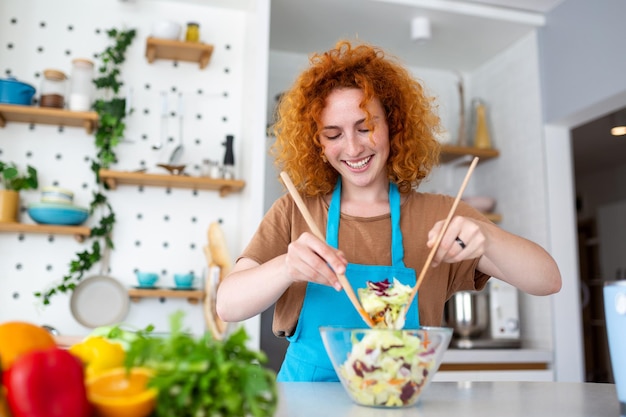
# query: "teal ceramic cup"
(147, 279)
(615, 314)
(183, 280)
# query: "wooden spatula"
(316, 231)
(431, 255)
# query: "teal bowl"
(57, 214)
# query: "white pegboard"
(158, 229)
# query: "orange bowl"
(122, 393)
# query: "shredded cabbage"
(384, 302)
(387, 368)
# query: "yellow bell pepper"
(98, 354)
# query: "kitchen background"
(158, 229)
(536, 92)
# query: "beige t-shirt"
(368, 241)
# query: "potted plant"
(110, 131)
(13, 182)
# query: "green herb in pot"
(204, 376)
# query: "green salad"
(384, 302)
(387, 368)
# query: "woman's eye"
(364, 130)
(331, 137)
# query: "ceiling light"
(420, 29)
(618, 123)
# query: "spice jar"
(81, 85)
(53, 89)
(193, 32)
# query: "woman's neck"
(365, 201)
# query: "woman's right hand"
(311, 259)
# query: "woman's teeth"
(360, 164)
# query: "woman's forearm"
(250, 288)
(520, 262)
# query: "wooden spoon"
(316, 231)
(431, 255)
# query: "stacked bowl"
(56, 207)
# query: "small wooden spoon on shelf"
(316, 231)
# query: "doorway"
(599, 165)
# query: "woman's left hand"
(463, 239)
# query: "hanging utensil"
(163, 132)
(431, 255)
(179, 148)
(311, 223)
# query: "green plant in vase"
(12, 182)
(111, 111)
(12, 179)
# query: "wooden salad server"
(315, 230)
(431, 255)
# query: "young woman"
(356, 134)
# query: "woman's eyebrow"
(358, 122)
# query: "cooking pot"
(467, 312)
(13, 91)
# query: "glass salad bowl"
(385, 368)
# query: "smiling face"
(357, 153)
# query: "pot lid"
(12, 79)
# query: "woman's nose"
(354, 146)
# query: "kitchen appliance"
(486, 319)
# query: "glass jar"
(193, 32)
(81, 85)
(53, 89)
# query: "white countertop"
(498, 356)
(466, 399)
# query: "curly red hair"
(411, 117)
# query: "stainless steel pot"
(467, 312)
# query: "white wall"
(582, 79)
(157, 229)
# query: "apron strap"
(334, 215)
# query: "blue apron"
(306, 359)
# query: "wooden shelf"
(49, 116)
(225, 187)
(178, 51)
(79, 232)
(450, 153)
(192, 296)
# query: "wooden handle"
(316, 231)
(431, 255)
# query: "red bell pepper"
(47, 383)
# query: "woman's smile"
(357, 165)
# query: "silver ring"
(460, 242)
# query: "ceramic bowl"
(56, 195)
(481, 203)
(57, 213)
(386, 368)
(166, 29)
(183, 280)
(146, 279)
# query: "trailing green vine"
(111, 111)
